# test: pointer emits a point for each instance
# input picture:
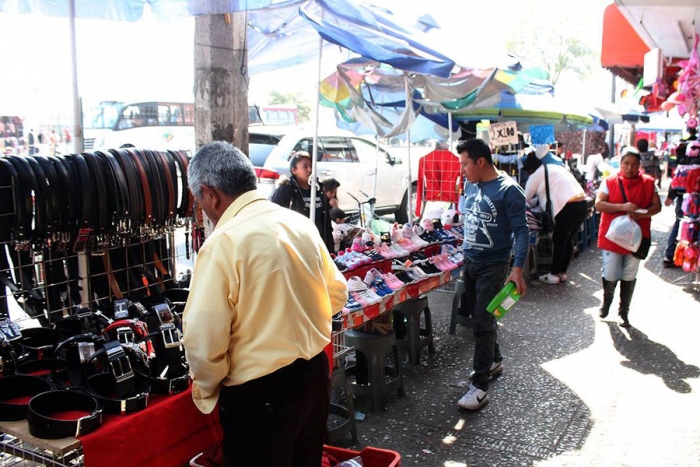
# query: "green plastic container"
(504, 301)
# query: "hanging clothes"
(438, 174)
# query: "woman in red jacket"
(642, 203)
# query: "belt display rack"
(89, 247)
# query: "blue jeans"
(482, 282)
(671, 242)
(617, 267)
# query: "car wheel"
(402, 214)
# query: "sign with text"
(503, 133)
(542, 134)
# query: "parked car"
(357, 163)
(260, 146)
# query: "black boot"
(626, 291)
(608, 295)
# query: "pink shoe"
(393, 282)
(358, 245)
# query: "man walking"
(259, 317)
(494, 213)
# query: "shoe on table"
(549, 279)
(495, 370)
(474, 399)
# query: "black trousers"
(566, 226)
(278, 420)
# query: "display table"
(169, 432)
(410, 291)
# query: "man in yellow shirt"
(258, 317)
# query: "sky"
(154, 61)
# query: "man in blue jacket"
(494, 214)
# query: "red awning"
(623, 50)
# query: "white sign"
(503, 133)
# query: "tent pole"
(409, 191)
(374, 188)
(77, 113)
(314, 153)
(449, 129)
(78, 145)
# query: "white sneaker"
(549, 279)
(495, 370)
(474, 399)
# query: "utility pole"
(221, 80)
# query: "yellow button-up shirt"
(263, 292)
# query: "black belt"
(169, 386)
(44, 405)
(14, 386)
(102, 387)
(70, 350)
(51, 369)
(38, 342)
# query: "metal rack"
(18, 452)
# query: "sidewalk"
(576, 390)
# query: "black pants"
(278, 420)
(566, 226)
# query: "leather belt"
(145, 186)
(70, 351)
(42, 407)
(100, 191)
(19, 386)
(23, 196)
(69, 195)
(39, 342)
(11, 202)
(186, 200)
(120, 367)
(87, 210)
(122, 205)
(155, 182)
(51, 369)
(51, 187)
(133, 183)
(102, 387)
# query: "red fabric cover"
(438, 172)
(639, 190)
(169, 432)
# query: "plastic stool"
(338, 380)
(370, 370)
(415, 337)
(456, 302)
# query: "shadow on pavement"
(532, 415)
(651, 358)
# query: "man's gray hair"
(221, 165)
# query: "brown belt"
(165, 162)
(145, 184)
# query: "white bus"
(164, 125)
(151, 125)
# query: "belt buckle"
(82, 240)
(119, 364)
(177, 382)
(125, 335)
(171, 336)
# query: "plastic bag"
(625, 232)
(354, 462)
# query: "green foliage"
(303, 106)
(556, 46)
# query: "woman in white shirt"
(593, 173)
(569, 210)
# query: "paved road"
(576, 390)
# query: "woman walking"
(628, 193)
